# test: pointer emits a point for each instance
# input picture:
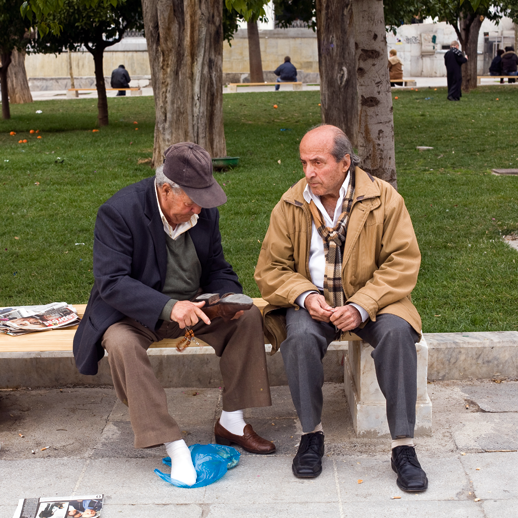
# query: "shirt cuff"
(362, 312)
(301, 299)
(166, 312)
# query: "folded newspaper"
(21, 320)
(60, 507)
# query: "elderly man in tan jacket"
(341, 255)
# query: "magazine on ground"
(21, 320)
(60, 507)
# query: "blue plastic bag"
(211, 462)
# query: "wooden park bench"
(366, 402)
(72, 92)
(232, 87)
(479, 78)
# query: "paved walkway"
(422, 82)
(471, 460)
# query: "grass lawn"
(51, 188)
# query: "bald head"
(325, 163)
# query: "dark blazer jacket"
(130, 262)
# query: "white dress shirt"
(179, 229)
(317, 258)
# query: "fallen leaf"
(16, 237)
(477, 499)
(360, 481)
(278, 161)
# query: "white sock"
(233, 422)
(318, 428)
(405, 441)
(182, 468)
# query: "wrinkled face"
(177, 207)
(323, 173)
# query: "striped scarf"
(334, 240)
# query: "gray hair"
(341, 145)
(161, 179)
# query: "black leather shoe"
(308, 461)
(410, 475)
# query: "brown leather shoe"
(250, 441)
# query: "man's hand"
(188, 313)
(237, 315)
(318, 308)
(346, 318)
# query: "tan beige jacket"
(395, 66)
(380, 263)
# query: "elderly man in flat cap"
(157, 246)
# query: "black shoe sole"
(401, 486)
(305, 475)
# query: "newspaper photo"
(60, 507)
(28, 319)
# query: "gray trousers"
(395, 360)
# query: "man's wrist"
(168, 308)
(301, 299)
(363, 314)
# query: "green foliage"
(249, 10)
(468, 279)
(234, 10)
(93, 26)
(289, 11)
(14, 30)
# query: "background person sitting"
(509, 63)
(120, 79)
(286, 72)
(395, 66)
(495, 69)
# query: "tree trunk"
(337, 65)
(516, 36)
(469, 26)
(376, 124)
(102, 101)
(6, 61)
(20, 92)
(71, 72)
(185, 47)
(254, 53)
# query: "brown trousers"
(238, 343)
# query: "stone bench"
(406, 82)
(73, 92)
(232, 87)
(479, 78)
(366, 402)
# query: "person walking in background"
(509, 63)
(395, 66)
(120, 79)
(454, 59)
(286, 72)
(495, 69)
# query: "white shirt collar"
(308, 196)
(181, 228)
